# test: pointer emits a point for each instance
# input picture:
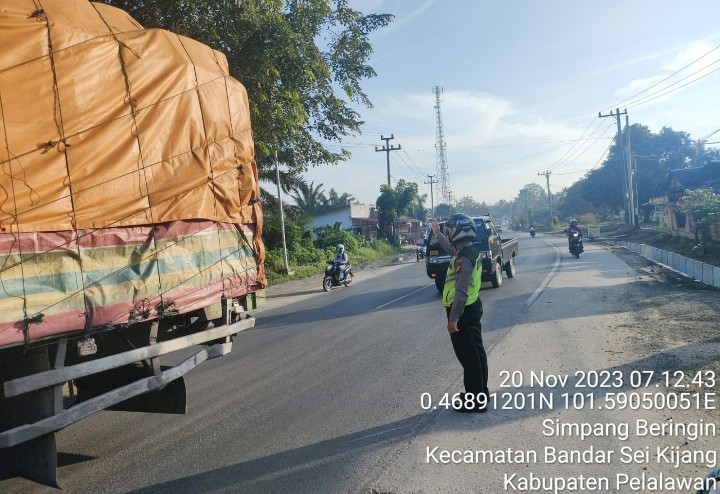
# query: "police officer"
(464, 308)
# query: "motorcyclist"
(341, 260)
(422, 241)
(574, 227)
(532, 231)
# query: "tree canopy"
(393, 203)
(704, 206)
(654, 155)
(311, 199)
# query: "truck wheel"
(510, 268)
(497, 279)
(439, 284)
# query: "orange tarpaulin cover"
(105, 123)
(128, 177)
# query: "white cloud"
(691, 63)
(484, 134)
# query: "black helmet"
(460, 227)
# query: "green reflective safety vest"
(471, 253)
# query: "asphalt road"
(320, 397)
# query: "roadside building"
(355, 218)
(677, 183)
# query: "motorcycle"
(420, 254)
(532, 232)
(331, 280)
(576, 244)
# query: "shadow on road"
(352, 304)
(311, 467)
(296, 470)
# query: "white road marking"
(547, 279)
(400, 298)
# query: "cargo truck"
(130, 222)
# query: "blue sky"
(523, 82)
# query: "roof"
(697, 177)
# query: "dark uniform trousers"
(469, 349)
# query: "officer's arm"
(443, 241)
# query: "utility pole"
(282, 216)
(631, 177)
(547, 178)
(626, 176)
(432, 201)
(387, 148)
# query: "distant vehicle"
(576, 244)
(420, 254)
(331, 279)
(497, 255)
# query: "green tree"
(653, 155)
(393, 203)
(443, 211)
(418, 210)
(704, 207)
(335, 201)
(469, 206)
(310, 198)
(301, 61)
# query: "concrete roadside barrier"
(692, 268)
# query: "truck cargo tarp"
(128, 176)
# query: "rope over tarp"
(125, 181)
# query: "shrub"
(330, 236)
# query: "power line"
(648, 98)
(576, 141)
(574, 157)
(709, 135)
(511, 161)
(665, 79)
(517, 144)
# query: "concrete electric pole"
(629, 218)
(432, 201)
(547, 178)
(387, 148)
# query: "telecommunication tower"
(440, 155)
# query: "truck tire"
(497, 278)
(439, 283)
(510, 268)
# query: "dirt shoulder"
(681, 245)
(677, 319)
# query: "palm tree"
(335, 201)
(310, 198)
